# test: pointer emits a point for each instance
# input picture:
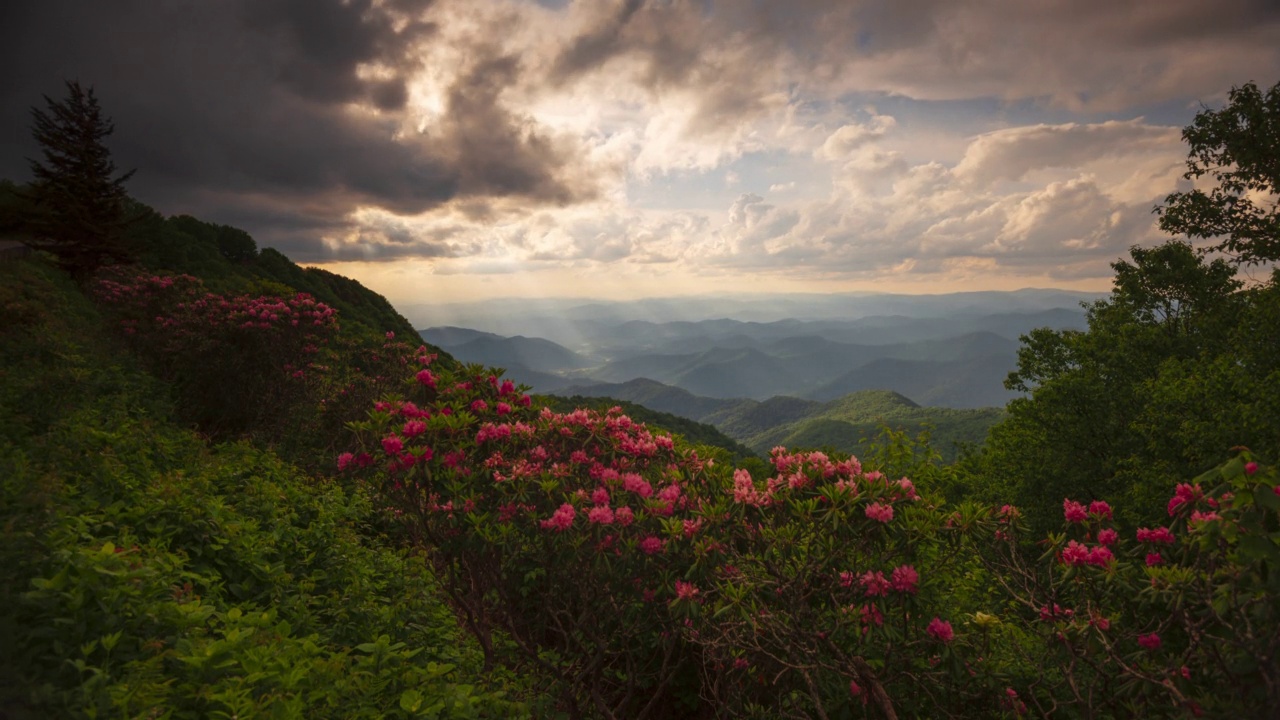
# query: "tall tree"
(1239, 148)
(79, 204)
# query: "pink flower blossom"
(1073, 511)
(854, 690)
(413, 428)
(940, 630)
(1198, 517)
(686, 591)
(874, 583)
(1250, 468)
(479, 406)
(426, 378)
(651, 544)
(391, 335)
(1154, 559)
(1100, 508)
(846, 578)
(1075, 554)
(1182, 495)
(392, 445)
(345, 460)
(1100, 556)
(1057, 611)
(1150, 641)
(1160, 535)
(561, 520)
(632, 482)
(623, 516)
(880, 512)
(905, 579)
(1107, 536)
(600, 496)
(600, 514)
(502, 408)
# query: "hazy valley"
(827, 376)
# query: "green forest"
(232, 487)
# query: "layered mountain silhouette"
(807, 382)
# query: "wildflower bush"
(650, 580)
(145, 573)
(237, 362)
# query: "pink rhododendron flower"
(1047, 613)
(600, 496)
(1150, 641)
(502, 408)
(561, 520)
(1160, 535)
(632, 482)
(1182, 495)
(880, 512)
(846, 578)
(1250, 468)
(651, 544)
(854, 690)
(1073, 511)
(524, 401)
(600, 514)
(686, 591)
(1100, 556)
(413, 428)
(1100, 508)
(940, 630)
(479, 406)
(1107, 536)
(392, 445)
(1154, 559)
(345, 460)
(623, 516)
(1198, 517)
(1075, 554)
(426, 378)
(904, 579)
(874, 583)
(391, 335)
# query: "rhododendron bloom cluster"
(1074, 512)
(1184, 494)
(562, 519)
(1160, 535)
(940, 630)
(880, 512)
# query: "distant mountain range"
(844, 424)
(779, 380)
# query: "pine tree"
(79, 209)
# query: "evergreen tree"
(78, 211)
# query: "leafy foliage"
(1238, 146)
(142, 571)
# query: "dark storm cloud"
(237, 111)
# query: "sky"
(453, 150)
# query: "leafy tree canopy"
(1239, 148)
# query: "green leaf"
(410, 700)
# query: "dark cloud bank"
(240, 111)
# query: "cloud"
(1011, 153)
(841, 144)
(231, 108)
